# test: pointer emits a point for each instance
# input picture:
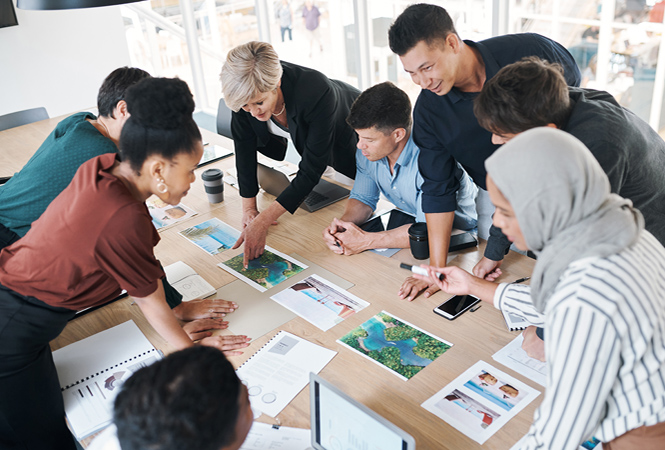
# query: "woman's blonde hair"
(250, 69)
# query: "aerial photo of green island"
(395, 344)
(267, 270)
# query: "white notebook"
(280, 370)
(186, 281)
(92, 370)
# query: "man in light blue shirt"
(387, 163)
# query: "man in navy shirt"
(451, 72)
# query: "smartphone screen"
(455, 306)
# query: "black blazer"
(316, 109)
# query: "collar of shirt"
(491, 68)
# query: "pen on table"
(521, 280)
(418, 270)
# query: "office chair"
(224, 119)
(16, 119)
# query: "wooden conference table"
(476, 336)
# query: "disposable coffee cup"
(418, 240)
(214, 186)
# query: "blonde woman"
(274, 102)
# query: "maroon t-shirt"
(93, 240)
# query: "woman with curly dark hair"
(95, 239)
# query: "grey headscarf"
(562, 202)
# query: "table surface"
(476, 336)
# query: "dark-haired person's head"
(430, 24)
(381, 116)
(190, 399)
(160, 141)
(114, 87)
(527, 94)
(428, 46)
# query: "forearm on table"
(356, 212)
(395, 238)
(439, 227)
(162, 319)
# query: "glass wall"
(617, 43)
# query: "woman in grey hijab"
(598, 287)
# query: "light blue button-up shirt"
(402, 188)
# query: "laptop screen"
(339, 422)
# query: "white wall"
(58, 59)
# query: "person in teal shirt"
(75, 140)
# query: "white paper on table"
(264, 437)
(187, 282)
(280, 370)
(515, 358)
(477, 405)
(320, 302)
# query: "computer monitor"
(340, 422)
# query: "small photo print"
(213, 236)
(480, 401)
(266, 271)
(495, 390)
(319, 302)
(164, 215)
(472, 413)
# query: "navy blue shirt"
(446, 130)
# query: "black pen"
(521, 280)
(418, 270)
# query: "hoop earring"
(162, 188)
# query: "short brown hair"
(527, 94)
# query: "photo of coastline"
(395, 344)
(213, 236)
(164, 215)
(320, 302)
(266, 271)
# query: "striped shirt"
(604, 345)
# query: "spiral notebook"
(92, 370)
(276, 373)
(515, 322)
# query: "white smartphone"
(455, 306)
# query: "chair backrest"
(16, 119)
(224, 119)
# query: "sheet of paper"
(213, 236)
(320, 302)
(280, 370)
(480, 401)
(395, 344)
(515, 358)
(266, 271)
(164, 215)
(264, 437)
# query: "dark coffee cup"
(418, 240)
(214, 185)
